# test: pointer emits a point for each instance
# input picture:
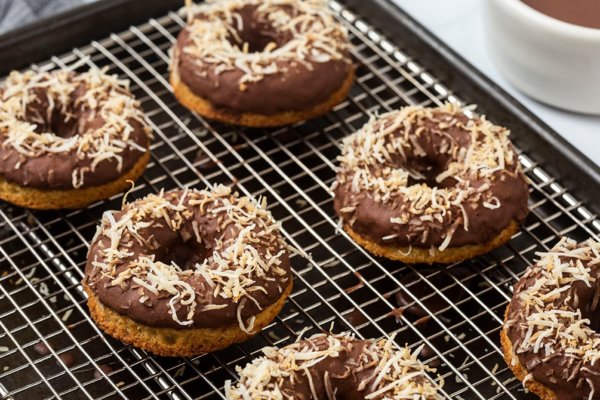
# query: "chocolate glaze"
(55, 171)
(567, 376)
(169, 245)
(297, 86)
(67, 358)
(372, 218)
(107, 369)
(48, 170)
(346, 371)
(577, 12)
(41, 348)
(337, 366)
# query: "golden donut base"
(40, 199)
(416, 255)
(519, 370)
(176, 342)
(203, 107)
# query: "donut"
(185, 272)
(69, 139)
(550, 336)
(338, 366)
(261, 63)
(429, 185)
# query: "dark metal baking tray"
(455, 310)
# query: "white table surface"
(459, 23)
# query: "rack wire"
(50, 348)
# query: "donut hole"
(587, 300)
(58, 125)
(594, 322)
(183, 251)
(51, 116)
(425, 170)
(430, 180)
(254, 33)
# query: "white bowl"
(555, 62)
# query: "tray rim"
(60, 33)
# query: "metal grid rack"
(50, 348)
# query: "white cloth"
(16, 13)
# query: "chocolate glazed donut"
(187, 272)
(430, 185)
(261, 63)
(335, 366)
(550, 337)
(68, 139)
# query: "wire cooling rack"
(50, 348)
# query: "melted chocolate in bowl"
(579, 12)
